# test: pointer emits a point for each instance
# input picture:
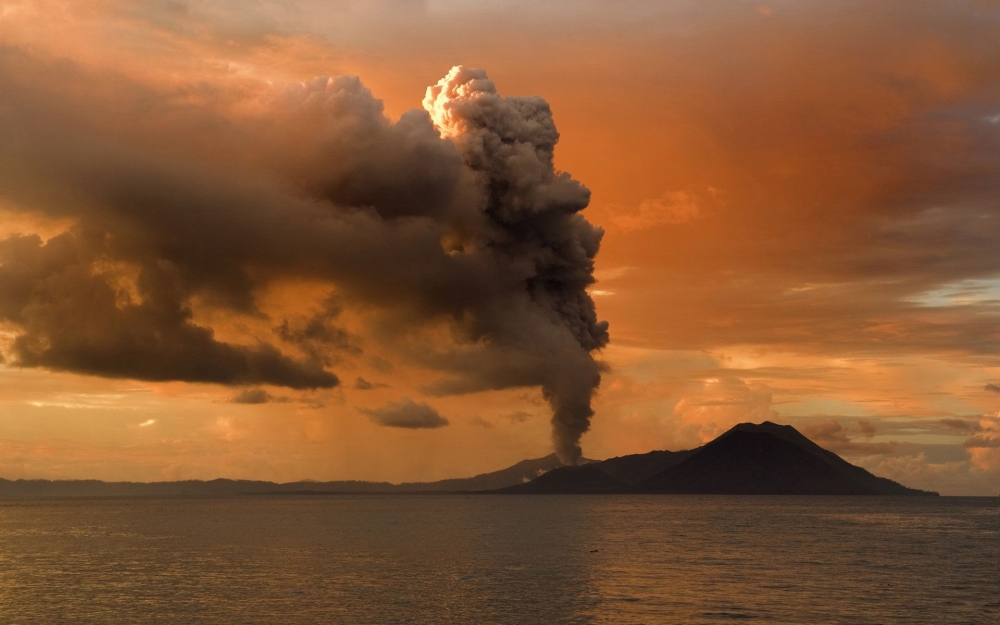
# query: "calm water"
(501, 559)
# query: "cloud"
(978, 475)
(43, 284)
(361, 384)
(833, 436)
(251, 396)
(451, 215)
(992, 388)
(980, 441)
(671, 208)
(984, 446)
(518, 416)
(824, 186)
(705, 408)
(317, 336)
(961, 425)
(406, 414)
(481, 422)
(380, 364)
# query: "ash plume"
(453, 214)
(533, 221)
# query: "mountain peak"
(765, 426)
(750, 458)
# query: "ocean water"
(500, 559)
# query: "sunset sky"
(800, 204)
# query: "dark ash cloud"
(73, 318)
(454, 214)
(406, 413)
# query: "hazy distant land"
(766, 459)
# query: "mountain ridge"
(764, 458)
(517, 473)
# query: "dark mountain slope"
(523, 471)
(753, 463)
(769, 459)
(635, 468)
(787, 433)
(517, 474)
(758, 459)
(586, 479)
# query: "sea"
(518, 559)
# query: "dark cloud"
(317, 336)
(73, 318)
(992, 388)
(251, 396)
(406, 413)
(961, 425)
(518, 416)
(380, 364)
(833, 436)
(361, 384)
(456, 217)
(982, 441)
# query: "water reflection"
(500, 559)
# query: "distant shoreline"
(750, 459)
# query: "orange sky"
(800, 204)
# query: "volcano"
(749, 459)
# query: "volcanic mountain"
(749, 459)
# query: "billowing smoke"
(533, 218)
(171, 199)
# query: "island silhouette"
(749, 459)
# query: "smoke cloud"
(180, 197)
(533, 222)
